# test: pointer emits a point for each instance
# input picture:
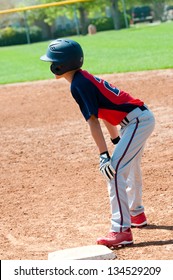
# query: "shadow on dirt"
(156, 242)
(153, 243)
(147, 244)
(152, 226)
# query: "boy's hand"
(105, 166)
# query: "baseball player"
(98, 99)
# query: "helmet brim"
(46, 58)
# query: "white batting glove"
(105, 166)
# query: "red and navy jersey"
(97, 97)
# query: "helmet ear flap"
(56, 68)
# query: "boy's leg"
(134, 186)
(134, 193)
(120, 220)
(134, 136)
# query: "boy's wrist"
(106, 153)
(115, 140)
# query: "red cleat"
(116, 239)
(139, 220)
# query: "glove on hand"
(105, 166)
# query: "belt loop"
(143, 108)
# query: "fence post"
(76, 21)
(26, 28)
(125, 14)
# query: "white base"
(92, 252)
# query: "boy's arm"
(105, 161)
(113, 131)
(97, 134)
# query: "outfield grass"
(145, 47)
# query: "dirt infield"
(52, 194)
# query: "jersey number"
(114, 90)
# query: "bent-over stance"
(98, 99)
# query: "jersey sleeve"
(86, 98)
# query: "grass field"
(144, 47)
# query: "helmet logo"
(52, 48)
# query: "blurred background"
(41, 24)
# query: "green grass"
(144, 47)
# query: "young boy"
(97, 99)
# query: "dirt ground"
(52, 195)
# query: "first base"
(92, 252)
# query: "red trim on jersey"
(111, 116)
(122, 97)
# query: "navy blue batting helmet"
(65, 55)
